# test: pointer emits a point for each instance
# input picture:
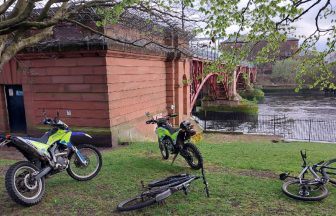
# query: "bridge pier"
(229, 82)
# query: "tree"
(273, 21)
(285, 71)
(24, 23)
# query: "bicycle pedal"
(283, 176)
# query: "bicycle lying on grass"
(310, 189)
(159, 190)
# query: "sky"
(305, 26)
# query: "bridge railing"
(311, 130)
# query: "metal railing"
(311, 130)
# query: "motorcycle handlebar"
(152, 121)
(51, 122)
(47, 121)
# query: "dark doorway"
(15, 106)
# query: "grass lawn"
(242, 177)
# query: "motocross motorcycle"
(54, 152)
(176, 140)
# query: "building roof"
(69, 37)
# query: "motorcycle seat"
(43, 139)
(171, 129)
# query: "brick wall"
(142, 83)
(136, 84)
(102, 89)
(3, 111)
(8, 76)
(72, 82)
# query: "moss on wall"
(244, 106)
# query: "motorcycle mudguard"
(78, 138)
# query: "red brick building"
(97, 85)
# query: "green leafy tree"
(272, 21)
(285, 71)
(24, 23)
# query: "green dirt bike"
(177, 140)
(54, 152)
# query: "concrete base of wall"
(134, 131)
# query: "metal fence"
(311, 130)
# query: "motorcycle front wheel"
(163, 145)
(85, 172)
(192, 155)
(21, 186)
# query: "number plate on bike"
(197, 138)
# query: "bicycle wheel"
(306, 191)
(143, 200)
(331, 172)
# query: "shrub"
(256, 95)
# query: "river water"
(313, 105)
(309, 116)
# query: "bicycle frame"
(312, 171)
(172, 189)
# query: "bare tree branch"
(5, 6)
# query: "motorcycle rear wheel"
(23, 189)
(192, 155)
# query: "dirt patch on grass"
(243, 172)
(3, 170)
(10, 154)
(258, 174)
(216, 138)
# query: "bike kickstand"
(185, 190)
(174, 159)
